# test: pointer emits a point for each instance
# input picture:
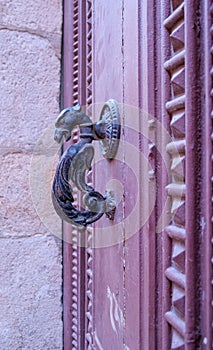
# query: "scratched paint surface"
(116, 311)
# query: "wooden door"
(116, 281)
(143, 281)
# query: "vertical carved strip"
(89, 290)
(194, 125)
(75, 50)
(75, 138)
(89, 57)
(175, 107)
(211, 227)
(89, 250)
(70, 253)
(80, 305)
(74, 288)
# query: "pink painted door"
(116, 275)
(143, 280)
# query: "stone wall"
(30, 267)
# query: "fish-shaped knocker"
(77, 160)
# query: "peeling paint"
(202, 225)
(116, 314)
(98, 343)
(205, 341)
(126, 347)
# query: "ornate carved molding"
(175, 273)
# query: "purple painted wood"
(208, 248)
(147, 235)
(193, 195)
(165, 54)
(108, 268)
(151, 290)
(74, 77)
(206, 209)
(67, 247)
(132, 240)
(174, 238)
(89, 252)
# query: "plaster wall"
(30, 265)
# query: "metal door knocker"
(77, 159)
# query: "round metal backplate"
(110, 115)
